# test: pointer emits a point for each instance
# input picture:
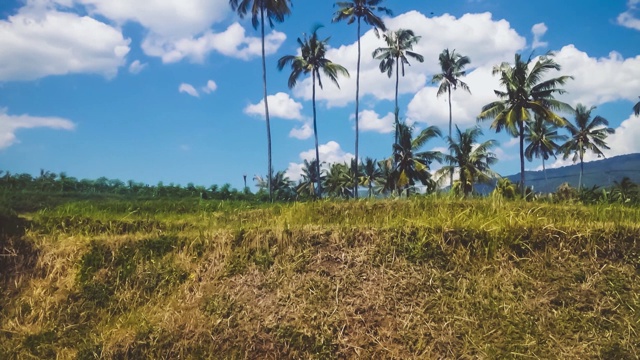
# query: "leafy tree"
(411, 164)
(338, 181)
(261, 10)
(542, 136)
(386, 182)
(586, 134)
(312, 60)
(310, 178)
(472, 160)
(452, 66)
(281, 186)
(371, 174)
(525, 92)
(358, 11)
(399, 44)
(636, 108)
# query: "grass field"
(430, 277)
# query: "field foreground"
(421, 278)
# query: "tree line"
(527, 109)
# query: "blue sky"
(170, 90)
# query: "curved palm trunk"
(315, 134)
(522, 184)
(397, 109)
(355, 170)
(450, 122)
(266, 107)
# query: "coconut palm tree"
(281, 186)
(338, 181)
(525, 92)
(411, 164)
(452, 66)
(586, 134)
(399, 44)
(370, 175)
(358, 11)
(312, 60)
(310, 178)
(472, 160)
(272, 11)
(542, 136)
(636, 108)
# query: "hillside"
(394, 279)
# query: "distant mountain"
(601, 173)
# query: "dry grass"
(425, 278)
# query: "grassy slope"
(425, 278)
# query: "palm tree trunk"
(315, 134)
(266, 106)
(397, 109)
(522, 184)
(581, 171)
(355, 170)
(450, 122)
(544, 170)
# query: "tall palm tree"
(586, 134)
(452, 66)
(371, 174)
(542, 137)
(338, 181)
(310, 178)
(399, 44)
(312, 60)
(525, 91)
(261, 10)
(358, 11)
(411, 163)
(636, 108)
(472, 160)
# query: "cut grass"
(419, 278)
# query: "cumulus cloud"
(302, 133)
(188, 89)
(280, 106)
(232, 42)
(40, 41)
(330, 153)
(485, 40)
(210, 87)
(629, 18)
(136, 67)
(9, 124)
(538, 31)
(369, 120)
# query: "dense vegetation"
(427, 277)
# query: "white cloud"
(302, 133)
(598, 80)
(210, 87)
(232, 42)
(538, 31)
(10, 123)
(629, 18)
(188, 89)
(330, 153)
(371, 121)
(280, 106)
(39, 41)
(484, 40)
(136, 67)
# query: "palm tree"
(281, 186)
(261, 10)
(586, 134)
(412, 164)
(542, 138)
(338, 181)
(312, 60)
(358, 11)
(371, 174)
(525, 92)
(473, 161)
(310, 178)
(625, 190)
(636, 108)
(399, 44)
(386, 181)
(452, 66)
